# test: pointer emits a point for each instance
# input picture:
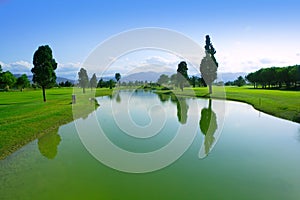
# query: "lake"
(141, 145)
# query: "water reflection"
(182, 106)
(208, 126)
(182, 110)
(118, 98)
(164, 97)
(48, 144)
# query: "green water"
(242, 154)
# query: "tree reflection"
(182, 110)
(208, 126)
(118, 98)
(48, 144)
(182, 106)
(163, 97)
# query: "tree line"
(8, 80)
(275, 77)
(84, 81)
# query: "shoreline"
(65, 115)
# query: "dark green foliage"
(117, 76)
(209, 65)
(100, 83)
(22, 82)
(83, 79)
(93, 81)
(7, 80)
(208, 125)
(111, 84)
(240, 81)
(106, 84)
(66, 84)
(182, 76)
(182, 110)
(173, 79)
(163, 79)
(275, 77)
(43, 70)
(193, 81)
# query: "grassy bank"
(25, 117)
(280, 103)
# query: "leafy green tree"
(44, 68)
(22, 82)
(93, 81)
(117, 77)
(111, 83)
(173, 79)
(182, 76)
(240, 81)
(252, 79)
(100, 83)
(294, 74)
(163, 79)
(193, 81)
(275, 76)
(209, 65)
(68, 84)
(83, 79)
(7, 80)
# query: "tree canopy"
(275, 76)
(117, 76)
(44, 68)
(22, 82)
(7, 79)
(163, 79)
(209, 65)
(182, 76)
(93, 81)
(83, 79)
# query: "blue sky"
(246, 34)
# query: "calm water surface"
(241, 154)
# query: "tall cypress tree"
(209, 64)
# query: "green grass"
(280, 103)
(24, 116)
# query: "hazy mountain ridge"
(150, 76)
(58, 79)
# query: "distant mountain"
(225, 77)
(153, 76)
(144, 76)
(58, 79)
(147, 76)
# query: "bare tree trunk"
(83, 89)
(44, 93)
(210, 88)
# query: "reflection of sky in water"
(257, 154)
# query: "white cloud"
(68, 70)
(19, 67)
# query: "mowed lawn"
(24, 116)
(280, 103)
